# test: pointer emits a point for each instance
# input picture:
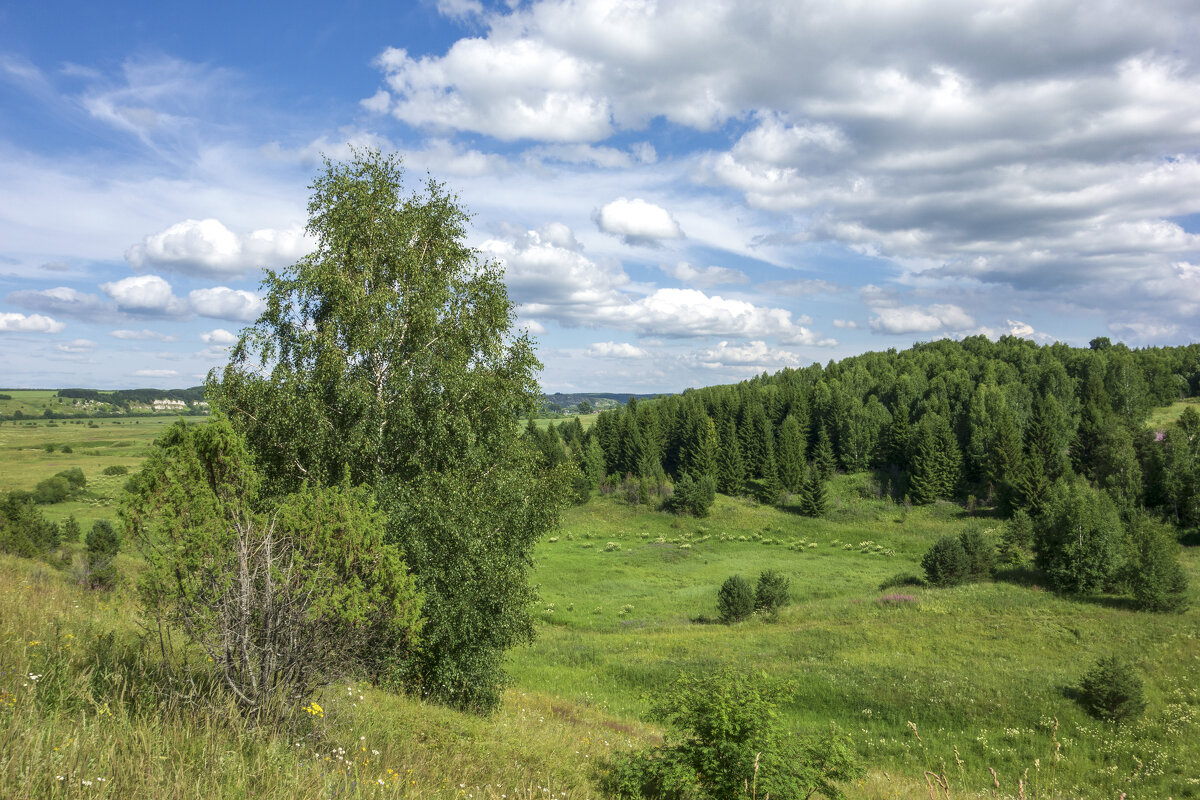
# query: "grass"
(957, 681)
(94, 444)
(586, 420)
(1165, 416)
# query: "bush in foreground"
(771, 593)
(724, 741)
(1112, 691)
(735, 600)
(946, 563)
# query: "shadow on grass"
(1190, 539)
(1024, 575)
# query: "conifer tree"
(813, 501)
(936, 462)
(823, 461)
(731, 470)
(790, 459)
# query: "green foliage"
(1077, 539)
(771, 592)
(813, 498)
(70, 529)
(282, 593)
(946, 563)
(693, 497)
(980, 552)
(1016, 539)
(735, 600)
(1155, 574)
(387, 357)
(1112, 691)
(23, 529)
(74, 476)
(115, 469)
(52, 490)
(936, 463)
(725, 741)
(103, 544)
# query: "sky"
(682, 193)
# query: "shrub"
(735, 600)
(70, 529)
(946, 563)
(66, 448)
(73, 476)
(1016, 539)
(771, 593)
(724, 741)
(1112, 691)
(981, 554)
(902, 579)
(692, 496)
(51, 490)
(1078, 538)
(116, 469)
(1156, 576)
(282, 595)
(103, 543)
(48, 447)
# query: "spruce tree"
(790, 455)
(823, 460)
(813, 501)
(731, 470)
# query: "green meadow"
(957, 682)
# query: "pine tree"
(731, 470)
(790, 457)
(813, 500)
(823, 460)
(936, 462)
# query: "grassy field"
(1166, 416)
(587, 420)
(30, 402)
(956, 681)
(25, 458)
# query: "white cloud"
(218, 336)
(559, 282)
(920, 319)
(77, 346)
(754, 354)
(155, 373)
(144, 294)
(637, 221)
(144, 335)
(704, 276)
(63, 300)
(207, 247)
(533, 326)
(512, 90)
(845, 323)
(615, 350)
(34, 323)
(221, 302)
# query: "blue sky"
(683, 193)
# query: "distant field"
(586, 420)
(30, 402)
(95, 444)
(1167, 415)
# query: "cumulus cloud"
(550, 276)
(756, 355)
(845, 323)
(207, 247)
(1038, 145)
(218, 336)
(156, 373)
(221, 302)
(920, 319)
(34, 323)
(533, 326)
(77, 346)
(144, 294)
(637, 221)
(616, 350)
(144, 335)
(63, 300)
(704, 276)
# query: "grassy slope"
(984, 669)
